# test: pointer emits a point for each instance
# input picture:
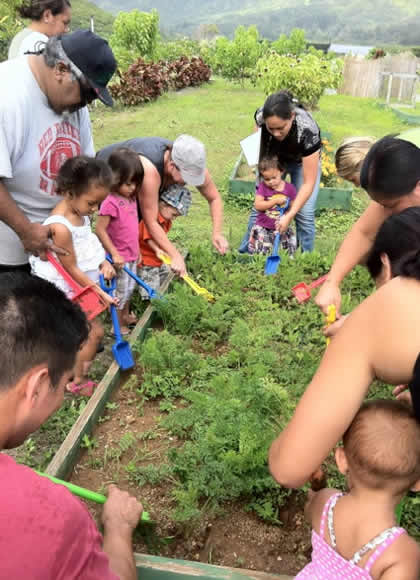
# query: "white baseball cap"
(189, 155)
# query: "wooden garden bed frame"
(148, 567)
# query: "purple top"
(267, 219)
(123, 229)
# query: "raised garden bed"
(188, 431)
(242, 181)
(411, 118)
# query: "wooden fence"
(365, 78)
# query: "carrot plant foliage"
(234, 371)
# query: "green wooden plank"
(334, 198)
(406, 117)
(328, 197)
(64, 460)
(156, 568)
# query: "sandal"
(84, 389)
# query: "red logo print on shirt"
(59, 143)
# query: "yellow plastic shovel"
(196, 288)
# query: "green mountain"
(82, 11)
(357, 21)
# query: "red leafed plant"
(146, 81)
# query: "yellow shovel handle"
(193, 285)
(331, 317)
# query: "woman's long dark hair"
(398, 238)
(281, 104)
(391, 168)
(34, 9)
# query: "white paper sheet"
(251, 147)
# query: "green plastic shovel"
(85, 493)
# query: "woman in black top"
(290, 132)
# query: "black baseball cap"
(93, 56)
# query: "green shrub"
(306, 76)
(174, 49)
(294, 44)
(236, 59)
(134, 34)
(10, 25)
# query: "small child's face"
(272, 178)
(127, 189)
(88, 203)
(168, 212)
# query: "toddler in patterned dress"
(354, 534)
(272, 200)
(117, 227)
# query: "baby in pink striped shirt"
(354, 534)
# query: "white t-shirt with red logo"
(34, 143)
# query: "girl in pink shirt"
(118, 226)
(354, 534)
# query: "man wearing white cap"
(165, 163)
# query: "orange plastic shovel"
(302, 291)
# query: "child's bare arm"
(261, 204)
(62, 237)
(315, 505)
(102, 223)
(407, 564)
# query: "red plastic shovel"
(302, 291)
(89, 301)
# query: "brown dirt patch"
(234, 537)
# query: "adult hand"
(283, 223)
(318, 479)
(37, 240)
(178, 265)
(221, 244)
(329, 294)
(403, 394)
(122, 511)
(331, 329)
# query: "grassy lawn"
(221, 114)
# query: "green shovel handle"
(85, 493)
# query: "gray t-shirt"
(34, 143)
(26, 40)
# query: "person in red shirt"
(173, 202)
(46, 533)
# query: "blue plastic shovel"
(152, 293)
(273, 261)
(120, 349)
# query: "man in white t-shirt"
(43, 122)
